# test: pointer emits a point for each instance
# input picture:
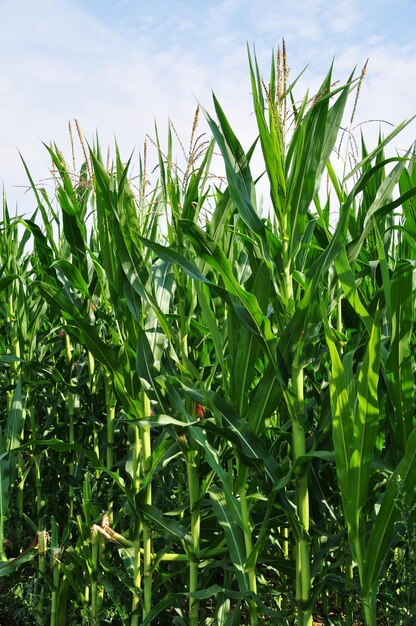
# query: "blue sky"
(117, 66)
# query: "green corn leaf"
(5, 281)
(168, 524)
(240, 182)
(366, 421)
(10, 440)
(46, 218)
(42, 247)
(309, 152)
(233, 535)
(402, 482)
(212, 254)
(193, 272)
(169, 600)
(158, 421)
(399, 368)
(381, 144)
(9, 358)
(264, 399)
(15, 419)
(11, 565)
(212, 458)
(271, 139)
(342, 416)
(101, 351)
(211, 323)
(209, 592)
(381, 206)
(349, 287)
(74, 276)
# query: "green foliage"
(207, 414)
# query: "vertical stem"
(38, 488)
(42, 547)
(339, 309)
(369, 604)
(95, 595)
(194, 498)
(72, 405)
(303, 576)
(147, 542)
(16, 369)
(245, 515)
(55, 571)
(110, 417)
(21, 484)
(349, 587)
(138, 531)
(92, 385)
(111, 412)
(193, 488)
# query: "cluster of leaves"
(210, 421)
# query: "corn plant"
(220, 401)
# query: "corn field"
(207, 413)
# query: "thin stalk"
(21, 484)
(242, 476)
(55, 572)
(138, 532)
(42, 548)
(100, 588)
(38, 484)
(245, 515)
(110, 417)
(82, 524)
(16, 369)
(111, 412)
(368, 601)
(147, 542)
(194, 498)
(72, 405)
(95, 594)
(339, 309)
(98, 547)
(349, 572)
(93, 390)
(194, 490)
(369, 604)
(302, 559)
(303, 576)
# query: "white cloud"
(120, 76)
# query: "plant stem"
(110, 417)
(147, 542)
(95, 595)
(111, 412)
(245, 514)
(136, 541)
(194, 497)
(38, 487)
(193, 488)
(303, 577)
(55, 571)
(73, 401)
(369, 604)
(42, 548)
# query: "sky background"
(119, 66)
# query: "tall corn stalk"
(234, 374)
